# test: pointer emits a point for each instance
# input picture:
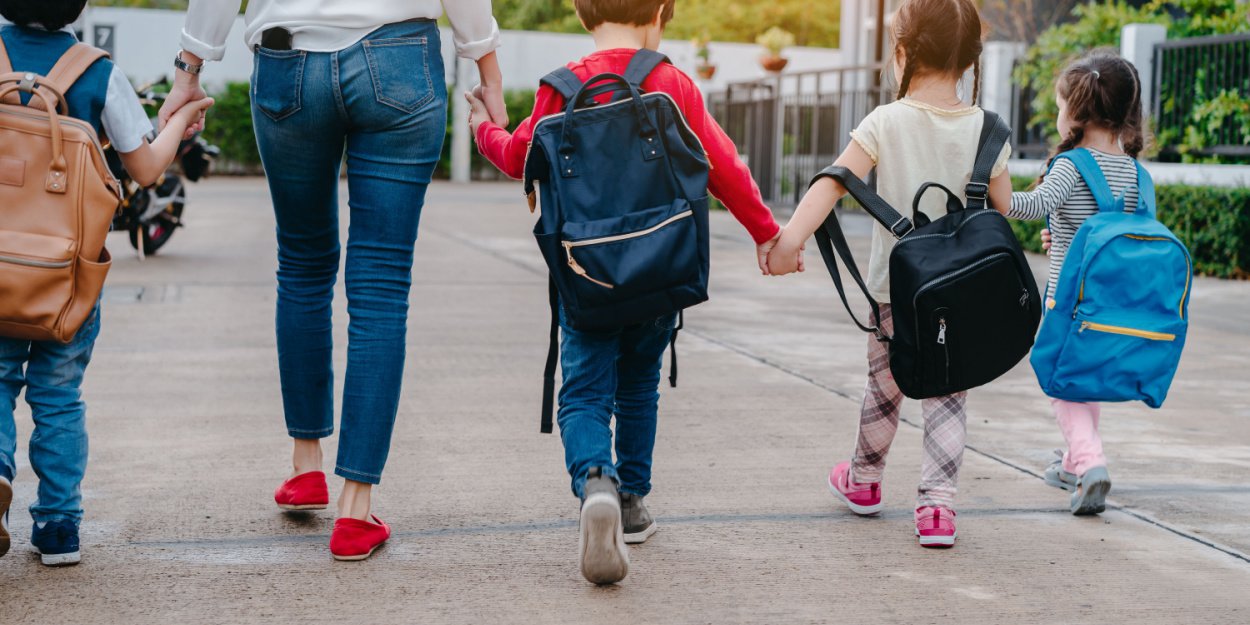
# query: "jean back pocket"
(400, 71)
(277, 82)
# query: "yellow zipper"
(1141, 334)
(581, 271)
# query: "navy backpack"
(624, 223)
(1117, 324)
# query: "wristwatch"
(187, 67)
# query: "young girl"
(1100, 109)
(928, 135)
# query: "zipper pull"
(1084, 327)
(942, 331)
(578, 269)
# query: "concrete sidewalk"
(188, 443)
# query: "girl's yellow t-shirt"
(913, 143)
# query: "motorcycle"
(152, 214)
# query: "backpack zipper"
(40, 264)
(946, 351)
(581, 271)
(1123, 331)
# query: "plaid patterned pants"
(945, 429)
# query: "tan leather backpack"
(57, 199)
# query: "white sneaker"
(6, 498)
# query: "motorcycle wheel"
(157, 232)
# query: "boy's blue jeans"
(52, 375)
(606, 374)
(384, 101)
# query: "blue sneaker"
(6, 498)
(56, 542)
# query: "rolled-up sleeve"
(207, 27)
(475, 30)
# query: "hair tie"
(1097, 75)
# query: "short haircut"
(595, 13)
(50, 14)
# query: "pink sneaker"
(863, 499)
(935, 526)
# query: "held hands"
(784, 255)
(186, 90)
(1045, 236)
(191, 114)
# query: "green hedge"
(1214, 222)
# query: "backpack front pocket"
(36, 277)
(1117, 357)
(617, 258)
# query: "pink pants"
(1079, 424)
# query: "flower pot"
(773, 63)
(706, 71)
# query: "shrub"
(1213, 222)
(229, 126)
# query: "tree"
(1024, 20)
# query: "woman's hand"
(186, 89)
(490, 91)
(478, 113)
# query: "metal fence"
(1189, 72)
(790, 126)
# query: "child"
(618, 373)
(928, 135)
(51, 372)
(1099, 98)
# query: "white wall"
(146, 41)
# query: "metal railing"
(1191, 71)
(790, 126)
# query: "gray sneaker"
(1090, 496)
(639, 526)
(601, 546)
(1056, 476)
(6, 498)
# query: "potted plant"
(705, 68)
(775, 40)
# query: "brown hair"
(1102, 89)
(595, 13)
(949, 49)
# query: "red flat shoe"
(306, 491)
(354, 539)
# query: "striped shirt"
(1065, 199)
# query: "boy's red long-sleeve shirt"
(729, 180)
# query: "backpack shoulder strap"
(1145, 192)
(1092, 174)
(72, 65)
(564, 81)
(994, 135)
(642, 64)
(6, 66)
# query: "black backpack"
(965, 304)
(624, 222)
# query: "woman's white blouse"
(330, 25)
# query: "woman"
(365, 76)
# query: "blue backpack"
(1120, 313)
(624, 224)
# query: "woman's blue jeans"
(382, 100)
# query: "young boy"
(618, 373)
(35, 35)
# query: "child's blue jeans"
(52, 374)
(606, 374)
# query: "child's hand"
(1046, 240)
(762, 250)
(786, 257)
(191, 113)
(478, 113)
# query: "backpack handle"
(652, 147)
(57, 180)
(953, 205)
